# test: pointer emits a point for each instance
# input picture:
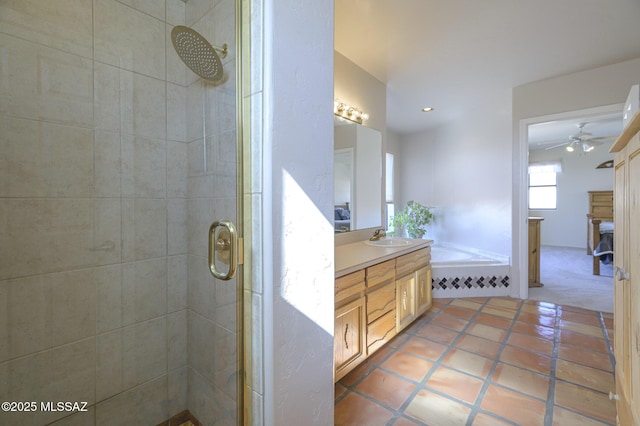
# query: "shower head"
(196, 52)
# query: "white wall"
(566, 226)
(297, 210)
(464, 170)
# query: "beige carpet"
(567, 278)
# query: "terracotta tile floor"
(487, 361)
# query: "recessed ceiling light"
(427, 109)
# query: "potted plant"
(413, 218)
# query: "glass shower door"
(115, 159)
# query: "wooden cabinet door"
(349, 339)
(423, 290)
(405, 301)
(633, 269)
(627, 293)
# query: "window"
(389, 190)
(543, 186)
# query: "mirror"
(357, 176)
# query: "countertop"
(355, 256)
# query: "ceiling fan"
(581, 140)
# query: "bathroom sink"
(390, 242)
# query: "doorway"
(547, 141)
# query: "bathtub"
(457, 272)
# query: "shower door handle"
(225, 246)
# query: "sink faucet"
(378, 234)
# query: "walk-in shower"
(115, 160)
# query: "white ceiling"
(446, 53)
(598, 129)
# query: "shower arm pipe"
(224, 49)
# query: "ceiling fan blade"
(558, 145)
(603, 138)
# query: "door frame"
(521, 230)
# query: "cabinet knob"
(613, 396)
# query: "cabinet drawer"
(380, 301)
(381, 273)
(411, 262)
(349, 285)
(381, 331)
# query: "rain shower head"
(197, 53)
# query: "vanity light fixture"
(427, 109)
(348, 112)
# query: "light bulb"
(570, 148)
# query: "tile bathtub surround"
(487, 361)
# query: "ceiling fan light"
(570, 148)
(586, 147)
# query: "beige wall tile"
(107, 248)
(194, 109)
(178, 388)
(64, 24)
(176, 112)
(109, 376)
(25, 304)
(144, 354)
(144, 290)
(107, 164)
(142, 105)
(143, 167)
(177, 226)
(176, 12)
(155, 8)
(108, 298)
(200, 291)
(31, 231)
(67, 371)
(128, 39)
(42, 83)
(45, 160)
(141, 220)
(176, 169)
(176, 283)
(145, 404)
(45, 311)
(177, 339)
(107, 96)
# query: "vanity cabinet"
(349, 338)
(413, 286)
(371, 303)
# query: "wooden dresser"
(600, 210)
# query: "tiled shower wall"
(107, 150)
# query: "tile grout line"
(551, 393)
(489, 379)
